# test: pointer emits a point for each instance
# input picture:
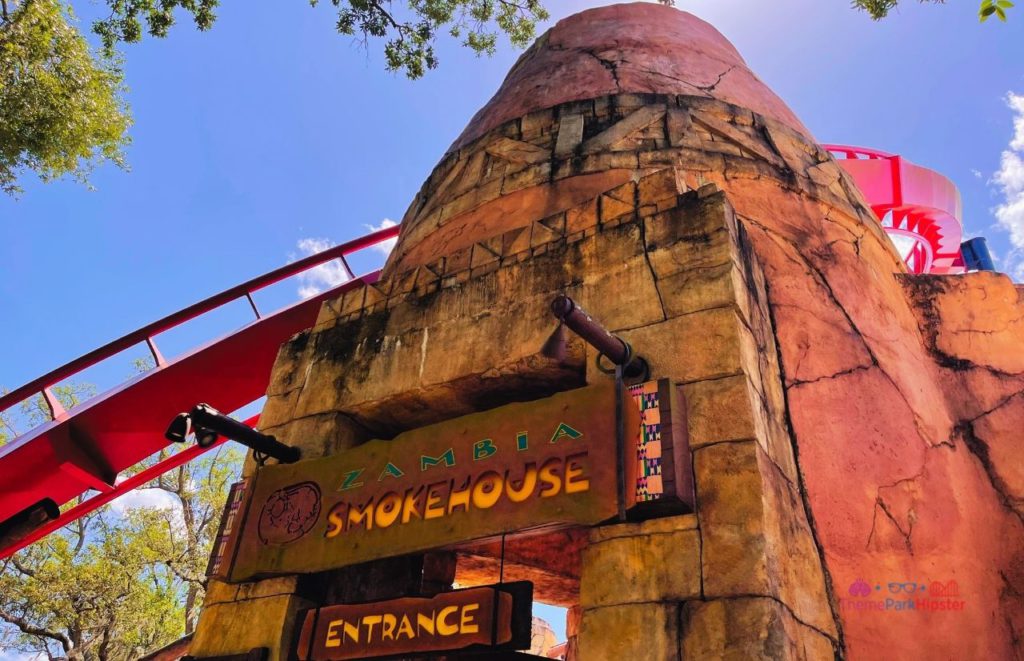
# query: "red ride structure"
(87, 448)
(919, 208)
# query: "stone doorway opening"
(551, 560)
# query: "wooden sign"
(542, 463)
(492, 617)
(255, 654)
(227, 536)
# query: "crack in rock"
(711, 88)
(979, 448)
(841, 373)
(924, 290)
(881, 504)
(819, 277)
(611, 65)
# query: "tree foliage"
(879, 9)
(409, 31)
(62, 104)
(994, 7)
(121, 581)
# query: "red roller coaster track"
(917, 207)
(88, 447)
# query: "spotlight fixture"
(208, 424)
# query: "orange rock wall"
(889, 378)
(903, 393)
(853, 426)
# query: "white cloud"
(325, 276)
(976, 173)
(150, 499)
(331, 274)
(384, 247)
(1010, 181)
(144, 499)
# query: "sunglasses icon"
(909, 588)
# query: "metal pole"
(620, 442)
(207, 417)
(617, 350)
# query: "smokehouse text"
(566, 473)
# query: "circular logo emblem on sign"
(289, 513)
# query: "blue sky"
(271, 135)
(271, 129)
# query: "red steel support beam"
(99, 500)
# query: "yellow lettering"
(335, 521)
(388, 509)
(352, 631)
(425, 622)
(370, 621)
(433, 509)
(443, 628)
(459, 497)
(550, 475)
(468, 624)
(411, 504)
(487, 490)
(364, 515)
(405, 628)
(332, 639)
(387, 628)
(575, 482)
(518, 494)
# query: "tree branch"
(22, 568)
(29, 629)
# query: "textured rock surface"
(642, 47)
(673, 270)
(852, 425)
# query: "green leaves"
(879, 9)
(990, 7)
(410, 32)
(118, 584)
(62, 107)
(128, 18)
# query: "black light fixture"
(25, 522)
(208, 424)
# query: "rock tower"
(855, 431)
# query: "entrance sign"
(492, 617)
(526, 465)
